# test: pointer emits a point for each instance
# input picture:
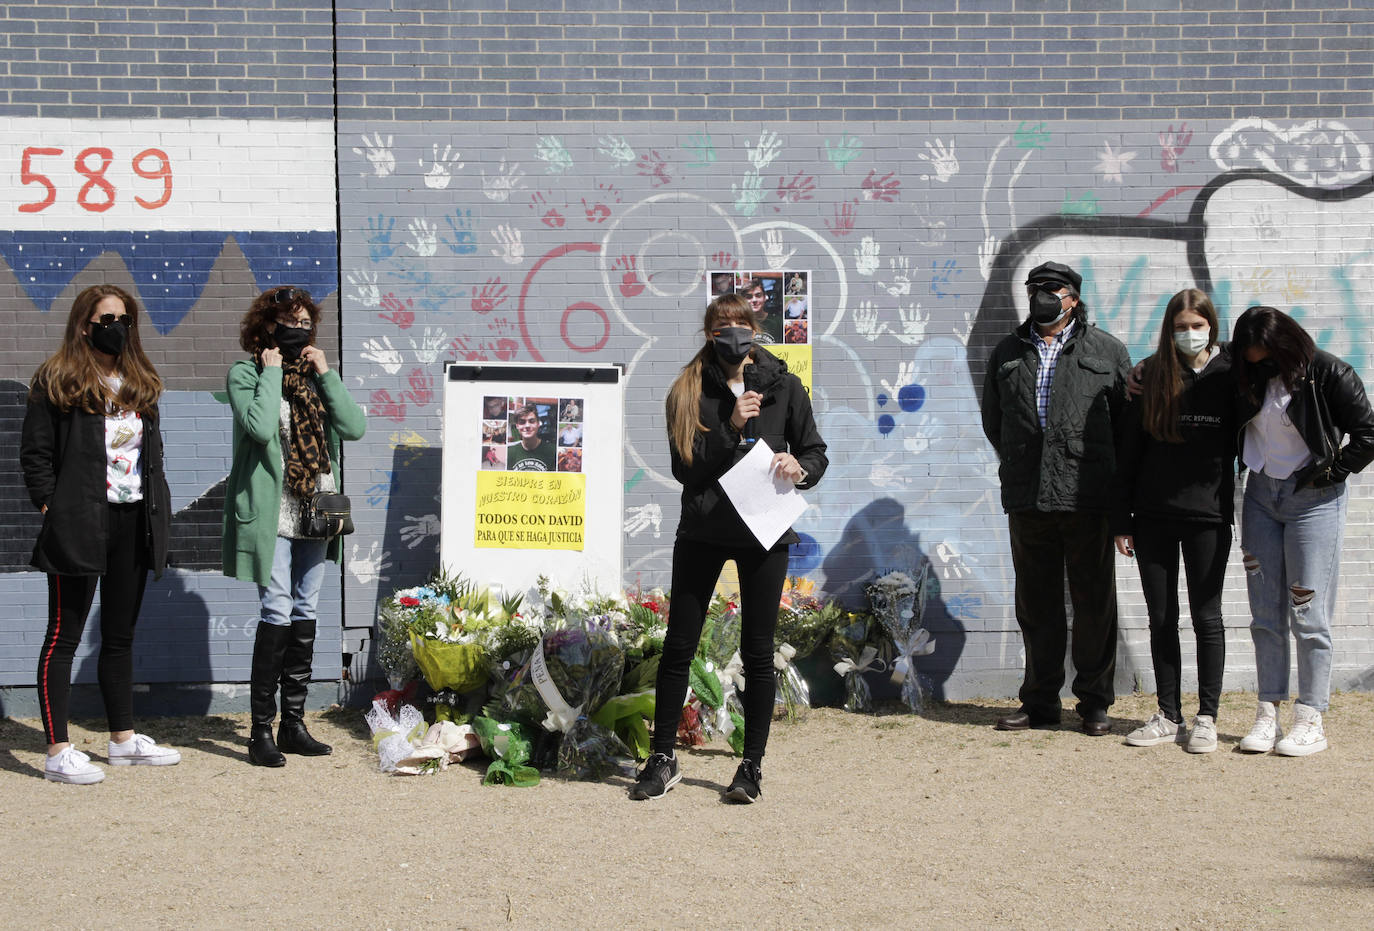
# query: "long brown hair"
(70, 378)
(683, 406)
(253, 334)
(1163, 376)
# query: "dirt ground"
(883, 821)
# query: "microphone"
(750, 433)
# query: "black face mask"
(108, 338)
(732, 343)
(1264, 369)
(1046, 307)
(291, 341)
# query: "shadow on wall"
(172, 644)
(877, 537)
(416, 476)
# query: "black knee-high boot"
(269, 649)
(292, 737)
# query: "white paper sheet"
(768, 503)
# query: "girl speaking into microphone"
(712, 423)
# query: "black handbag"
(328, 514)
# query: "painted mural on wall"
(192, 217)
(596, 242)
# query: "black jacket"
(62, 454)
(785, 423)
(1067, 466)
(1329, 404)
(1193, 480)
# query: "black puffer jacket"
(1069, 465)
(1329, 404)
(62, 454)
(785, 423)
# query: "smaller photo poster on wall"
(782, 302)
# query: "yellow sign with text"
(531, 510)
(798, 359)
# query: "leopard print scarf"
(307, 455)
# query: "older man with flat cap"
(1052, 397)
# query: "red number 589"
(97, 194)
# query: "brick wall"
(500, 163)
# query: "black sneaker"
(660, 773)
(746, 786)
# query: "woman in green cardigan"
(290, 413)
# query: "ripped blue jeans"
(1290, 544)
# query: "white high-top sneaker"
(1306, 737)
(1266, 731)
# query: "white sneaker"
(1266, 731)
(1306, 737)
(1155, 731)
(142, 750)
(72, 766)
(1203, 737)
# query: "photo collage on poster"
(532, 434)
(781, 300)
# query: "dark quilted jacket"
(1068, 466)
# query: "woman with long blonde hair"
(91, 452)
(731, 395)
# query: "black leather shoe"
(262, 749)
(1095, 723)
(1023, 720)
(292, 737)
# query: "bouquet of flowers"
(803, 624)
(443, 629)
(898, 601)
(571, 673)
(509, 747)
(854, 648)
(396, 732)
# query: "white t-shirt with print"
(123, 452)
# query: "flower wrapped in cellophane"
(854, 648)
(509, 747)
(397, 730)
(443, 629)
(715, 679)
(898, 601)
(570, 675)
(804, 622)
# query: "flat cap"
(1056, 273)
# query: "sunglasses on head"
(289, 296)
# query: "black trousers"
(696, 567)
(1045, 546)
(1205, 548)
(69, 603)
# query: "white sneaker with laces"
(1155, 731)
(1307, 736)
(142, 750)
(1266, 731)
(73, 767)
(1203, 737)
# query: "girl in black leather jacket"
(1308, 425)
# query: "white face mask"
(1191, 342)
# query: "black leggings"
(69, 602)
(1205, 548)
(696, 567)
